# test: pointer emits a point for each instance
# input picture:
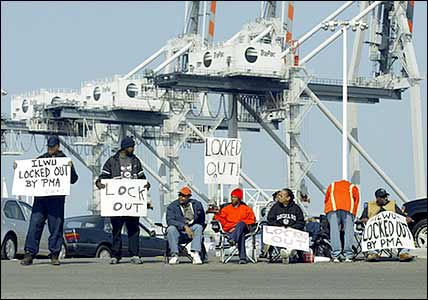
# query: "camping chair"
(182, 246)
(224, 245)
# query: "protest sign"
(222, 160)
(42, 177)
(289, 238)
(387, 230)
(124, 197)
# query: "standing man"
(50, 208)
(341, 204)
(373, 208)
(185, 218)
(124, 164)
(235, 219)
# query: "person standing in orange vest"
(341, 204)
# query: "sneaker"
(348, 260)
(27, 260)
(242, 262)
(55, 260)
(404, 257)
(285, 255)
(197, 259)
(335, 260)
(114, 261)
(136, 260)
(372, 257)
(174, 260)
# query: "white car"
(15, 219)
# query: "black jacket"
(174, 214)
(287, 216)
(111, 168)
(73, 178)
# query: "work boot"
(27, 260)
(404, 257)
(372, 257)
(55, 260)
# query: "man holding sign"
(50, 208)
(124, 165)
(374, 208)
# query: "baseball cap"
(185, 191)
(381, 193)
(53, 141)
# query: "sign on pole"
(387, 230)
(124, 197)
(289, 238)
(222, 160)
(42, 177)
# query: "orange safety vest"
(342, 195)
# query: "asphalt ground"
(95, 278)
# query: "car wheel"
(420, 233)
(103, 252)
(63, 252)
(8, 249)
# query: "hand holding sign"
(123, 197)
(387, 230)
(42, 177)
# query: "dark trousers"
(133, 228)
(238, 235)
(52, 209)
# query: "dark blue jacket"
(174, 214)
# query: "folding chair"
(224, 244)
(182, 246)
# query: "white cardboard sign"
(222, 160)
(42, 177)
(124, 197)
(289, 238)
(387, 230)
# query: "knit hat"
(238, 193)
(127, 142)
(185, 191)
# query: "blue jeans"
(337, 218)
(52, 209)
(176, 237)
(238, 235)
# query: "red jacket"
(229, 216)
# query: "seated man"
(373, 208)
(235, 219)
(285, 212)
(185, 218)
